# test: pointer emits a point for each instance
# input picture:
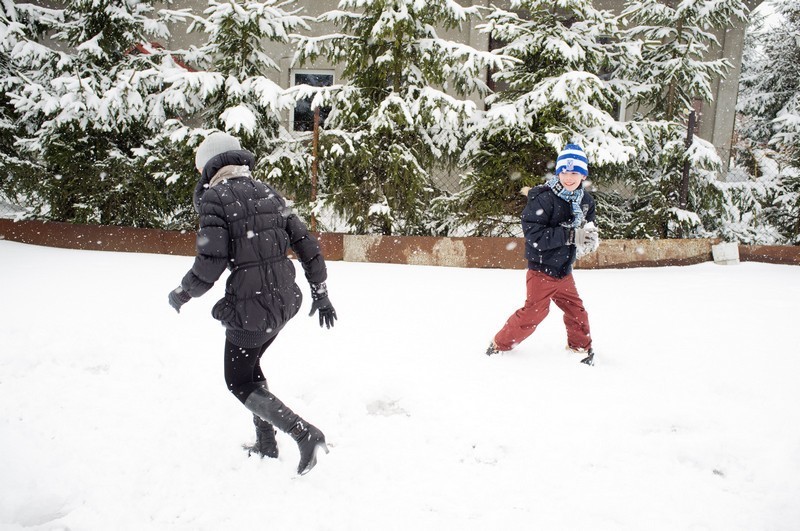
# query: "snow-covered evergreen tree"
(86, 107)
(564, 86)
(17, 26)
(769, 124)
(230, 87)
(753, 198)
(677, 40)
(397, 116)
(786, 213)
(676, 69)
(770, 83)
(654, 177)
(232, 82)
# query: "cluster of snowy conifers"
(98, 124)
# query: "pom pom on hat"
(214, 144)
(572, 158)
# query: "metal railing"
(9, 210)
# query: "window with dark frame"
(303, 116)
(619, 107)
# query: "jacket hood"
(240, 157)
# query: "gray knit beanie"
(213, 145)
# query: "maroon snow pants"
(541, 289)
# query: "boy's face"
(570, 180)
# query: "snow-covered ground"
(115, 414)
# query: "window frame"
(292, 81)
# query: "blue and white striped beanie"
(572, 158)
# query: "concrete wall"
(499, 253)
(718, 119)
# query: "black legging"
(243, 368)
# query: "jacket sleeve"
(212, 247)
(590, 213)
(535, 224)
(306, 247)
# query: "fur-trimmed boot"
(265, 445)
(309, 438)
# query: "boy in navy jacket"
(558, 223)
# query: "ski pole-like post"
(684, 192)
(314, 165)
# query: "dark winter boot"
(309, 438)
(266, 445)
(588, 359)
(492, 350)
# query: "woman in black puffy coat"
(246, 227)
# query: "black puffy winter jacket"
(546, 240)
(246, 227)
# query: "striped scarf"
(573, 198)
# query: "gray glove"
(178, 298)
(590, 237)
(576, 236)
(579, 238)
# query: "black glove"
(327, 314)
(178, 298)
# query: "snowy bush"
(654, 208)
(674, 70)
(98, 124)
(770, 83)
(769, 131)
(87, 113)
(395, 120)
(576, 65)
(230, 87)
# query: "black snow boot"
(492, 350)
(266, 445)
(589, 354)
(309, 438)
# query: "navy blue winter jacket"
(246, 227)
(546, 241)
